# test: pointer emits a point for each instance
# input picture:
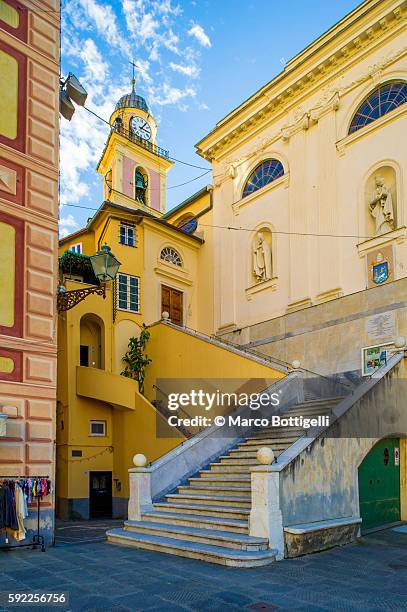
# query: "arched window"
(140, 186)
(265, 173)
(171, 256)
(380, 102)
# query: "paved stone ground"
(370, 575)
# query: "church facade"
(310, 174)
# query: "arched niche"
(381, 201)
(261, 259)
(92, 345)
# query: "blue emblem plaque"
(380, 272)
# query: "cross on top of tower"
(133, 81)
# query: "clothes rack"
(38, 539)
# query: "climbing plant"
(135, 359)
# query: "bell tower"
(133, 166)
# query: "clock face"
(140, 127)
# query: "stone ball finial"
(400, 342)
(165, 315)
(140, 460)
(265, 455)
(296, 364)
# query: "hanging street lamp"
(105, 267)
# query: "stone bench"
(313, 537)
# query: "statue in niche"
(381, 207)
(261, 258)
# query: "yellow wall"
(203, 318)
(178, 354)
(87, 239)
(127, 431)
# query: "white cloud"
(67, 225)
(96, 69)
(148, 27)
(165, 6)
(199, 33)
(172, 95)
(104, 18)
(188, 70)
(171, 42)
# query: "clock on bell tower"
(134, 167)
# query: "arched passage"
(92, 341)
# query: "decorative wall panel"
(13, 90)
(43, 36)
(11, 365)
(11, 282)
(42, 193)
(12, 179)
(13, 18)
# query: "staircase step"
(204, 521)
(230, 460)
(226, 489)
(308, 414)
(318, 402)
(209, 500)
(270, 432)
(198, 509)
(228, 539)
(232, 479)
(192, 550)
(269, 441)
(250, 451)
(224, 468)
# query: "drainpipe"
(208, 208)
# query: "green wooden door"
(379, 485)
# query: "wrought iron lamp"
(105, 267)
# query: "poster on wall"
(374, 357)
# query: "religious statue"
(261, 258)
(381, 208)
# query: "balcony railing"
(146, 144)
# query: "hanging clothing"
(21, 512)
(15, 495)
(8, 514)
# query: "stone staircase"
(208, 519)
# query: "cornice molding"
(329, 101)
(328, 66)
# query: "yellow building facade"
(166, 263)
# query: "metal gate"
(379, 485)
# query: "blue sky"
(197, 60)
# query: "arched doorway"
(91, 342)
(379, 484)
